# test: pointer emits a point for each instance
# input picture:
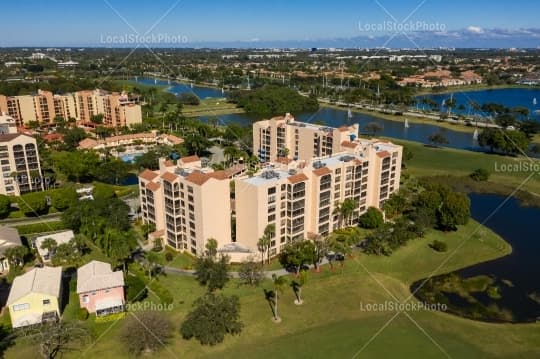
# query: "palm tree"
(279, 284)
(262, 245)
(50, 245)
(297, 285)
(230, 153)
(15, 255)
(269, 233)
(345, 210)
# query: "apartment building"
(300, 197)
(19, 160)
(187, 203)
(118, 109)
(284, 137)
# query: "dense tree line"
(273, 100)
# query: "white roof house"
(60, 238)
(9, 237)
(98, 275)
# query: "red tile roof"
(349, 144)
(297, 178)
(152, 186)
(383, 154)
(148, 175)
(169, 177)
(197, 177)
(219, 175)
(283, 160)
(322, 171)
(190, 159)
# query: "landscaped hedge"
(43, 227)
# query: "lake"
(516, 275)
(177, 88)
(337, 117)
(510, 97)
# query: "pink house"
(100, 290)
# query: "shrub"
(373, 218)
(480, 175)
(146, 332)
(136, 289)
(63, 198)
(439, 246)
(40, 227)
(163, 293)
(5, 206)
(33, 204)
(82, 314)
(169, 256)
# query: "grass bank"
(334, 321)
(504, 170)
(469, 88)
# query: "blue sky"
(72, 23)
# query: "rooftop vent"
(318, 164)
(269, 175)
(292, 172)
(346, 158)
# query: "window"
(18, 307)
(46, 301)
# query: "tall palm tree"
(279, 284)
(345, 211)
(297, 285)
(269, 233)
(262, 245)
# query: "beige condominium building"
(19, 160)
(284, 137)
(187, 203)
(300, 197)
(117, 109)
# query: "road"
(267, 274)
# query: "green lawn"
(331, 323)
(428, 161)
(211, 107)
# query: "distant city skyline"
(278, 23)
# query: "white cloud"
(475, 29)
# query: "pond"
(177, 88)
(515, 276)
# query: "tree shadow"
(270, 297)
(295, 285)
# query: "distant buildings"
(296, 192)
(118, 109)
(35, 297)
(100, 290)
(19, 160)
(442, 78)
(130, 142)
